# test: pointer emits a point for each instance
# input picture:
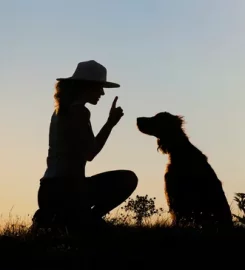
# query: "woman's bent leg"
(109, 189)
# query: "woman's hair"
(66, 92)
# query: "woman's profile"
(65, 190)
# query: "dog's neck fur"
(176, 145)
(177, 150)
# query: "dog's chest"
(180, 178)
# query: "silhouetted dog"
(194, 193)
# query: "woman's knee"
(130, 179)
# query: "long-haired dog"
(193, 191)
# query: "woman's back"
(70, 134)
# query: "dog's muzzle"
(143, 124)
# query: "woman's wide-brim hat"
(91, 71)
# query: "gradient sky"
(185, 57)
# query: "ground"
(120, 247)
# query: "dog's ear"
(180, 120)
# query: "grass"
(123, 246)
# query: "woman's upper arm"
(82, 130)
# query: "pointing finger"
(114, 102)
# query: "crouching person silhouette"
(66, 196)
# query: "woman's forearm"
(101, 139)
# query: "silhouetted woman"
(64, 189)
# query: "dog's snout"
(138, 120)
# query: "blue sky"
(185, 57)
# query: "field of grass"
(122, 246)
(139, 237)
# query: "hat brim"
(104, 84)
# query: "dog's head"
(167, 128)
